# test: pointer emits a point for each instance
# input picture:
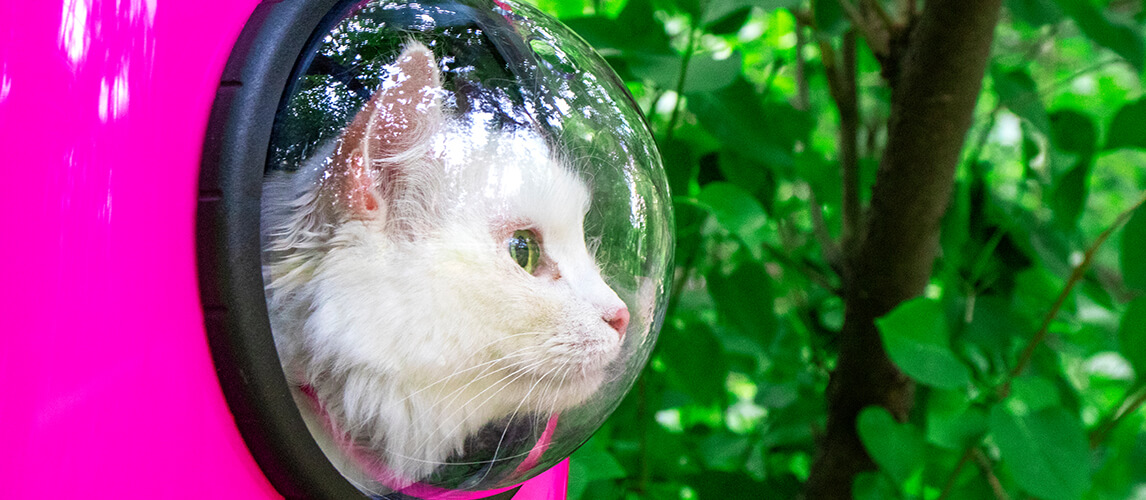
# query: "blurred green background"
(1018, 394)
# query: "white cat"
(427, 276)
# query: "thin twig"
(876, 40)
(1075, 277)
(984, 134)
(910, 9)
(809, 272)
(692, 31)
(829, 248)
(828, 59)
(646, 473)
(967, 454)
(985, 465)
(802, 92)
(1070, 78)
(1120, 412)
(889, 24)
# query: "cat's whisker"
(555, 396)
(477, 351)
(520, 372)
(564, 367)
(516, 374)
(481, 375)
(509, 422)
(514, 354)
(567, 368)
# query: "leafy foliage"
(1028, 347)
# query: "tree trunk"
(933, 98)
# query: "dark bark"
(847, 100)
(934, 90)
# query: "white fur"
(412, 323)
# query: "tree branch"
(828, 248)
(963, 459)
(877, 39)
(1108, 423)
(933, 99)
(889, 24)
(1075, 277)
(802, 96)
(992, 480)
(847, 103)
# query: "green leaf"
(1074, 131)
(767, 132)
(1035, 393)
(680, 165)
(1126, 130)
(716, 484)
(756, 465)
(705, 74)
(744, 299)
(724, 451)
(952, 422)
(1035, 290)
(1068, 198)
(957, 223)
(730, 23)
(749, 174)
(561, 9)
(873, 486)
(612, 37)
(1046, 451)
(897, 448)
(640, 17)
(735, 210)
(636, 30)
(1125, 41)
(1132, 336)
(830, 18)
(1019, 93)
(1035, 12)
(591, 462)
(691, 7)
(1132, 256)
(718, 10)
(916, 338)
(995, 324)
(698, 369)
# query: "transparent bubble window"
(466, 239)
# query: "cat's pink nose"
(619, 320)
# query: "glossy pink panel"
(109, 387)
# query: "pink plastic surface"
(109, 391)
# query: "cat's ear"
(396, 122)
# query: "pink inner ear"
(360, 185)
(404, 112)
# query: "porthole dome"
(439, 252)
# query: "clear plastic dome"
(467, 238)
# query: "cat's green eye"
(525, 250)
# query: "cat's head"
(453, 285)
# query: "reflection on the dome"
(466, 241)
